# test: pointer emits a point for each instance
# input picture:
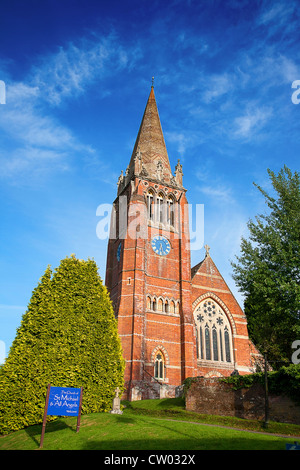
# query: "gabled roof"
(206, 266)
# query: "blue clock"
(161, 245)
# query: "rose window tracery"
(213, 332)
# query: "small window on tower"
(159, 364)
(170, 211)
(160, 208)
(150, 205)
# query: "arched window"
(160, 305)
(159, 365)
(207, 343)
(214, 336)
(227, 344)
(148, 303)
(150, 205)
(154, 304)
(172, 306)
(170, 211)
(167, 306)
(160, 208)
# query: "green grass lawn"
(138, 429)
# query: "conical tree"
(68, 337)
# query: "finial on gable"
(152, 86)
(207, 248)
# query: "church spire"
(150, 153)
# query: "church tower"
(148, 270)
(174, 322)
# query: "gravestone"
(116, 407)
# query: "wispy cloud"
(217, 86)
(33, 138)
(279, 16)
(217, 193)
(33, 141)
(251, 122)
(183, 140)
(70, 71)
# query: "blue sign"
(64, 401)
(295, 446)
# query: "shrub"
(68, 337)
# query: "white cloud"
(216, 86)
(33, 142)
(32, 139)
(251, 122)
(182, 139)
(217, 193)
(276, 12)
(69, 72)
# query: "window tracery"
(213, 332)
(159, 366)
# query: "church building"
(174, 321)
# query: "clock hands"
(160, 245)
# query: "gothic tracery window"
(213, 332)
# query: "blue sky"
(78, 75)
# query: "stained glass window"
(214, 336)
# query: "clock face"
(160, 245)
(119, 251)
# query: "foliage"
(68, 337)
(187, 385)
(285, 381)
(268, 270)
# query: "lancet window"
(170, 211)
(160, 209)
(159, 365)
(150, 205)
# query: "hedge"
(68, 337)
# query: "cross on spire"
(207, 248)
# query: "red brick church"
(174, 321)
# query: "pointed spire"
(150, 143)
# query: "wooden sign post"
(62, 401)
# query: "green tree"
(68, 337)
(268, 270)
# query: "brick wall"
(211, 396)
